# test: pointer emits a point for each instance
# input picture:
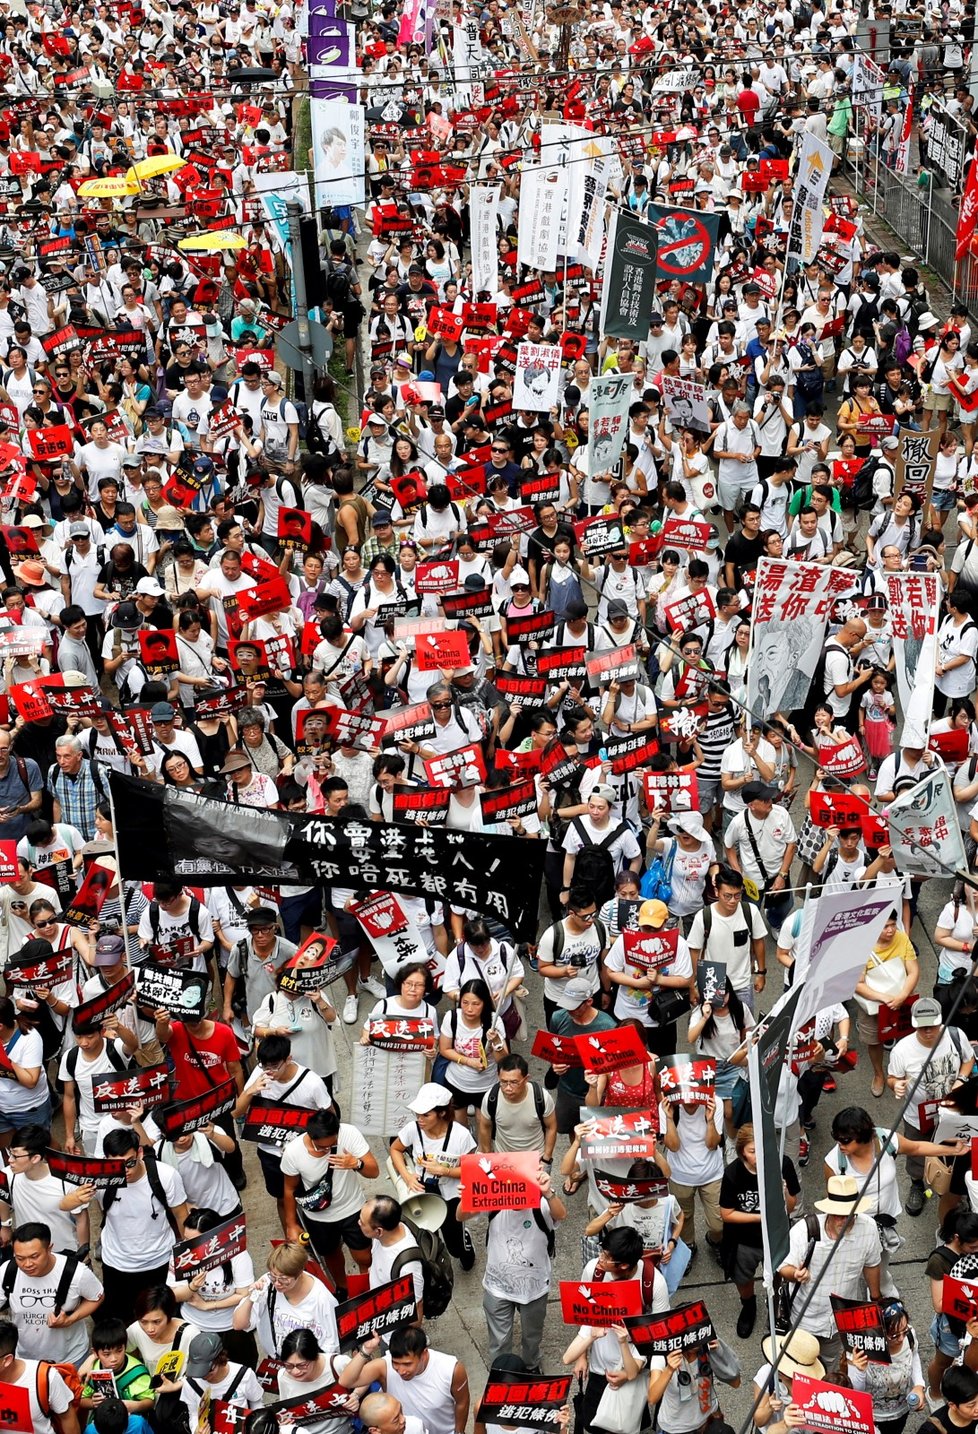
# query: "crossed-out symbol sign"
(685, 254)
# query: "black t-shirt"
(738, 1191)
(940, 1423)
(540, 547)
(743, 553)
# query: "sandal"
(573, 1183)
(878, 1086)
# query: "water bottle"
(914, 1401)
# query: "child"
(877, 714)
(659, 1221)
(112, 1417)
(131, 1377)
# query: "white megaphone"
(426, 1211)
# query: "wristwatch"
(359, 1166)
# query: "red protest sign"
(294, 529)
(556, 1050)
(837, 809)
(267, 597)
(89, 899)
(959, 1298)
(952, 746)
(611, 1050)
(828, 1409)
(30, 701)
(651, 950)
(49, 444)
(437, 577)
(437, 650)
(402, 1033)
(464, 767)
(508, 1181)
(158, 650)
(8, 861)
(686, 533)
(843, 759)
(671, 791)
(603, 1304)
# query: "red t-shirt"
(748, 102)
(213, 1054)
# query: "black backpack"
(339, 284)
(159, 1195)
(193, 916)
(541, 1225)
(595, 867)
(320, 442)
(859, 496)
(10, 1271)
(492, 1104)
(117, 1062)
(436, 1266)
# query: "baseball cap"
(926, 1014)
(162, 712)
(430, 1097)
(108, 950)
(617, 608)
(203, 1350)
(653, 913)
(149, 587)
(79, 530)
(574, 993)
(759, 792)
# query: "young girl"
(563, 578)
(472, 1041)
(718, 1028)
(877, 715)
(947, 481)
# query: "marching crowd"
(495, 620)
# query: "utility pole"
(294, 212)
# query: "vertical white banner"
(483, 215)
(924, 832)
(543, 194)
(589, 170)
(814, 169)
(609, 400)
(338, 152)
(914, 610)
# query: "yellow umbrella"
(213, 239)
(154, 165)
(113, 186)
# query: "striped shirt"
(715, 738)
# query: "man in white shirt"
(926, 1065)
(731, 930)
(760, 843)
(39, 1283)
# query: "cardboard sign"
(519, 800)
(437, 577)
(691, 611)
(188, 1115)
(686, 533)
(516, 762)
(265, 598)
(410, 724)
(312, 967)
(376, 1312)
(685, 1327)
(86, 1170)
(556, 1050)
(401, 1033)
(687, 1080)
(275, 1122)
(521, 691)
(711, 981)
(467, 604)
(144, 1085)
(628, 753)
(614, 664)
(223, 704)
(47, 445)
(295, 530)
(494, 1181)
(534, 1403)
(650, 950)
(951, 746)
(600, 535)
(50, 971)
(410, 804)
(158, 650)
(603, 1051)
(671, 791)
(828, 1409)
(844, 759)
(561, 664)
(532, 628)
(30, 701)
(8, 861)
(599, 1304)
(447, 650)
(838, 809)
(619, 1190)
(354, 729)
(463, 768)
(208, 1251)
(183, 993)
(89, 899)
(861, 1327)
(98, 1008)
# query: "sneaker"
(829, 1085)
(933, 1404)
(808, 1124)
(467, 1258)
(371, 984)
(350, 1009)
(804, 1151)
(531, 958)
(915, 1198)
(746, 1318)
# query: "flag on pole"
(628, 294)
(914, 608)
(837, 931)
(924, 831)
(902, 162)
(811, 182)
(792, 602)
(766, 1060)
(968, 215)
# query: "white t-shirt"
(32, 1300)
(311, 1169)
(25, 1050)
(136, 1234)
(730, 940)
(693, 1163)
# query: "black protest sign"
(521, 691)
(619, 1190)
(467, 604)
(327, 1403)
(143, 1085)
(274, 1122)
(106, 1003)
(182, 993)
(519, 800)
(562, 663)
(317, 962)
(711, 979)
(208, 1251)
(531, 628)
(165, 833)
(377, 1311)
(222, 704)
(86, 1169)
(861, 1327)
(629, 284)
(684, 1327)
(534, 1403)
(186, 1116)
(430, 803)
(49, 971)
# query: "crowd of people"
(211, 588)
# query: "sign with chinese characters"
(145, 1086)
(861, 1327)
(914, 603)
(687, 407)
(827, 1409)
(685, 1327)
(274, 1121)
(183, 993)
(628, 293)
(650, 950)
(609, 396)
(86, 1169)
(536, 383)
(377, 1311)
(688, 1080)
(200, 1110)
(208, 1251)
(383, 1084)
(671, 791)
(946, 144)
(924, 831)
(915, 462)
(534, 1403)
(395, 939)
(791, 605)
(621, 1191)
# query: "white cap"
(429, 1098)
(517, 576)
(149, 587)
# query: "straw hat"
(842, 1197)
(799, 1354)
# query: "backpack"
(541, 1225)
(320, 442)
(70, 1376)
(436, 1266)
(858, 495)
(117, 1062)
(708, 922)
(339, 284)
(594, 867)
(917, 306)
(649, 1264)
(600, 930)
(193, 918)
(158, 1193)
(902, 344)
(492, 1104)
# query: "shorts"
(868, 1026)
(937, 402)
(943, 499)
(462, 1099)
(37, 1115)
(271, 1169)
(945, 1342)
(731, 495)
(328, 1235)
(745, 1262)
(709, 793)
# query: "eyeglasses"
(499, 450)
(297, 1364)
(584, 915)
(132, 1163)
(48, 921)
(440, 706)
